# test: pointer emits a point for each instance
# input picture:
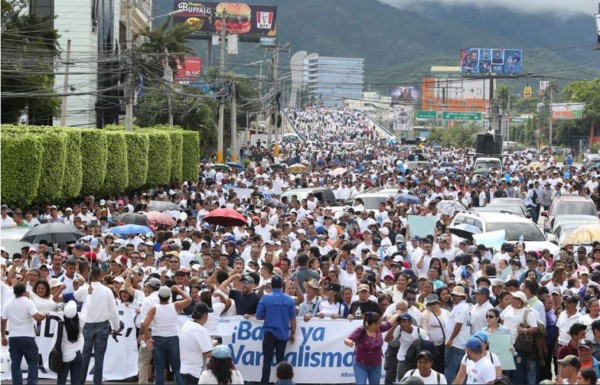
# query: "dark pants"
(390, 365)
(165, 354)
(546, 371)
(270, 345)
(95, 336)
(188, 379)
(439, 362)
(20, 347)
(72, 366)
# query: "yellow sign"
(527, 92)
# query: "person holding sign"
(367, 342)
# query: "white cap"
(70, 310)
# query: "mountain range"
(400, 45)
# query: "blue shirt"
(276, 309)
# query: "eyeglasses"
(411, 299)
(490, 316)
(174, 261)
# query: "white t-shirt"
(19, 313)
(459, 315)
(194, 341)
(208, 377)
(212, 324)
(469, 364)
(407, 339)
(434, 327)
(434, 377)
(512, 318)
(478, 320)
(482, 372)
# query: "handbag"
(55, 361)
(524, 342)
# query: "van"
(487, 163)
(323, 195)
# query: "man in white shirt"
(483, 372)
(18, 314)
(424, 370)
(195, 344)
(408, 334)
(145, 355)
(479, 311)
(457, 331)
(100, 315)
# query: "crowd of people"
(438, 301)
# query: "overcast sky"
(526, 6)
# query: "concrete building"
(96, 29)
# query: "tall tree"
(29, 49)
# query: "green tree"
(29, 49)
(587, 92)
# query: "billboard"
(191, 68)
(562, 111)
(405, 95)
(239, 18)
(491, 60)
(403, 117)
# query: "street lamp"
(597, 17)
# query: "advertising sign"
(491, 60)
(239, 18)
(461, 115)
(191, 68)
(402, 118)
(565, 111)
(407, 95)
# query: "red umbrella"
(156, 217)
(225, 217)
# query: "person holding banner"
(71, 345)
(367, 342)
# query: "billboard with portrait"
(237, 18)
(405, 95)
(491, 60)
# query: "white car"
(513, 225)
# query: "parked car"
(578, 219)
(324, 195)
(511, 205)
(568, 205)
(371, 200)
(514, 226)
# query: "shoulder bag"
(55, 361)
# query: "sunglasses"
(490, 316)
(411, 299)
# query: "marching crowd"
(436, 300)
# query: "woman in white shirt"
(71, 344)
(220, 368)
(42, 298)
(433, 320)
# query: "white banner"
(120, 360)
(318, 355)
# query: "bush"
(94, 153)
(159, 158)
(53, 166)
(137, 158)
(72, 180)
(117, 176)
(190, 155)
(20, 175)
(176, 155)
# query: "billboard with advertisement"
(561, 111)
(405, 95)
(491, 60)
(240, 19)
(403, 117)
(191, 68)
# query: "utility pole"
(129, 83)
(221, 123)
(168, 78)
(508, 117)
(550, 117)
(234, 146)
(276, 101)
(63, 107)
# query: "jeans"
(72, 366)
(270, 344)
(188, 379)
(20, 347)
(526, 371)
(362, 373)
(452, 362)
(166, 353)
(95, 336)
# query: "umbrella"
(52, 233)
(277, 166)
(298, 168)
(535, 166)
(584, 234)
(156, 217)
(338, 171)
(465, 230)
(163, 206)
(223, 166)
(130, 229)
(449, 207)
(133, 219)
(225, 217)
(235, 165)
(392, 141)
(408, 199)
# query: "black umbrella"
(133, 219)
(163, 206)
(52, 233)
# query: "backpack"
(416, 347)
(534, 197)
(439, 376)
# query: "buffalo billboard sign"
(491, 61)
(249, 21)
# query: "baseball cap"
(276, 282)
(405, 316)
(425, 354)
(571, 360)
(334, 286)
(248, 279)
(432, 298)
(474, 343)
(164, 292)
(221, 352)
(154, 283)
(481, 335)
(482, 290)
(585, 343)
(520, 295)
(202, 308)
(362, 287)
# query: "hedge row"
(53, 164)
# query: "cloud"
(562, 7)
